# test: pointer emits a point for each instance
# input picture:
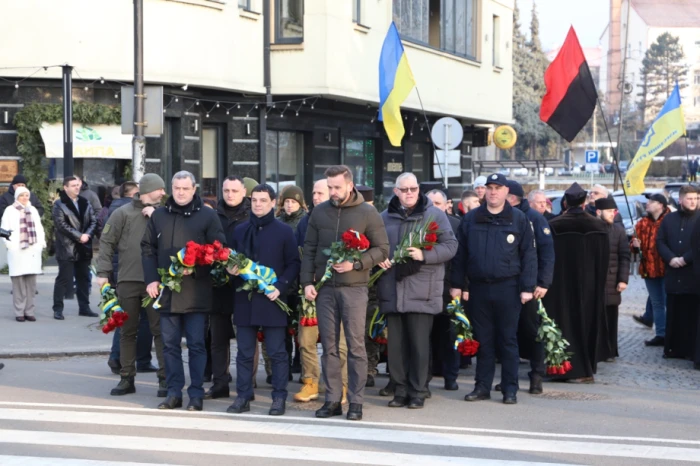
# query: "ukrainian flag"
(667, 127)
(395, 83)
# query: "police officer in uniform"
(495, 269)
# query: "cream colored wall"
(184, 42)
(339, 58)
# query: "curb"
(54, 354)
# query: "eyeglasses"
(413, 189)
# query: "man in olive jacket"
(122, 235)
(184, 218)
(344, 296)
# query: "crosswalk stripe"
(272, 429)
(250, 450)
(311, 420)
(9, 460)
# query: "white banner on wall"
(89, 141)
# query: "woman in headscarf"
(23, 252)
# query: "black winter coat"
(224, 295)
(446, 298)
(674, 240)
(169, 229)
(545, 244)
(70, 224)
(8, 198)
(117, 203)
(619, 264)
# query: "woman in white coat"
(23, 252)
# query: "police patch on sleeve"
(546, 231)
(510, 239)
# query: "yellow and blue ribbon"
(377, 324)
(263, 277)
(156, 304)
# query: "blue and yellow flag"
(667, 127)
(395, 83)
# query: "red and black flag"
(571, 94)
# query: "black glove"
(406, 269)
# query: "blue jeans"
(247, 338)
(144, 343)
(194, 326)
(657, 297)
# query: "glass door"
(284, 158)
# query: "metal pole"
(447, 147)
(622, 98)
(67, 121)
(139, 141)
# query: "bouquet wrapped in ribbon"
(185, 260)
(465, 342)
(422, 236)
(113, 316)
(255, 277)
(350, 248)
(555, 355)
(377, 328)
(307, 311)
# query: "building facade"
(277, 90)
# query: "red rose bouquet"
(421, 236)
(465, 343)
(350, 248)
(113, 316)
(185, 260)
(556, 357)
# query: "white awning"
(95, 142)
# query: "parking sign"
(592, 156)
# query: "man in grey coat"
(410, 293)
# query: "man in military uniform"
(495, 269)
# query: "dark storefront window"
(420, 158)
(392, 164)
(289, 27)
(358, 154)
(212, 153)
(284, 156)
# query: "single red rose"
(191, 245)
(261, 337)
(567, 366)
(216, 244)
(347, 237)
(222, 255)
(364, 242)
(428, 248)
(209, 249)
(111, 322)
(431, 238)
(207, 259)
(433, 226)
(105, 330)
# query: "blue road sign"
(592, 156)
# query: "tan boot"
(308, 392)
(344, 400)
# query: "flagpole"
(622, 96)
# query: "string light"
(16, 85)
(86, 88)
(218, 105)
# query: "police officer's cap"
(498, 179)
(515, 189)
(605, 203)
(575, 195)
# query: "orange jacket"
(651, 265)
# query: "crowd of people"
(503, 254)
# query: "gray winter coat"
(420, 292)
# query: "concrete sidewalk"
(48, 337)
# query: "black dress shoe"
(429, 394)
(656, 341)
(535, 385)
(388, 390)
(19, 319)
(268, 380)
(451, 385)
(58, 315)
(510, 399)
(30, 318)
(355, 412)
(497, 387)
(217, 392)
(640, 320)
(87, 313)
(278, 407)
(370, 381)
(416, 403)
(114, 365)
(171, 403)
(477, 395)
(330, 409)
(2, 365)
(239, 406)
(145, 369)
(195, 404)
(398, 402)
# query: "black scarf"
(235, 212)
(250, 237)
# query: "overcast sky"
(589, 18)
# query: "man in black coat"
(184, 218)
(8, 198)
(576, 299)
(618, 276)
(74, 224)
(674, 243)
(233, 209)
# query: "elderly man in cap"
(122, 234)
(495, 269)
(617, 278)
(576, 299)
(8, 198)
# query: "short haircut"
(234, 178)
(531, 195)
(437, 191)
(602, 188)
(336, 170)
(184, 174)
(68, 179)
(264, 188)
(687, 189)
(128, 188)
(404, 176)
(469, 193)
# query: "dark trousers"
(409, 352)
(611, 317)
(193, 325)
(64, 284)
(247, 338)
(221, 331)
(130, 296)
(529, 347)
(682, 327)
(144, 342)
(495, 311)
(445, 358)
